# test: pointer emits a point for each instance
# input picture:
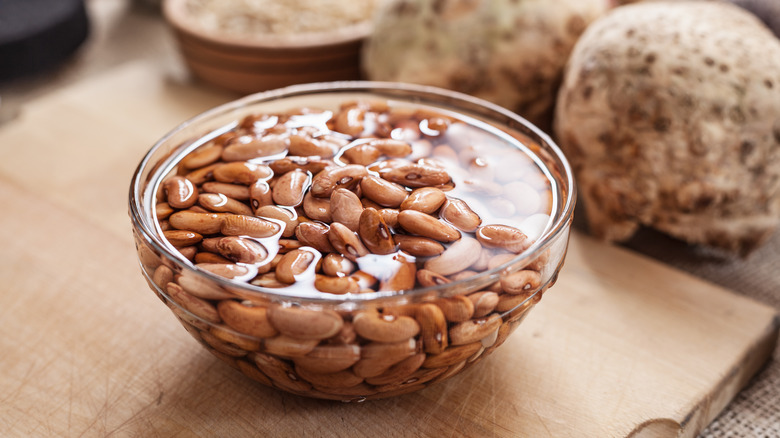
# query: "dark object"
(767, 10)
(38, 35)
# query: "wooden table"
(621, 346)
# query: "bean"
(457, 257)
(346, 208)
(369, 324)
(294, 263)
(383, 192)
(332, 178)
(504, 237)
(285, 215)
(346, 242)
(220, 203)
(180, 238)
(181, 193)
(247, 148)
(460, 215)
(241, 172)
(314, 234)
(375, 233)
(236, 191)
(317, 209)
(302, 323)
(290, 188)
(250, 320)
(425, 199)
(416, 175)
(425, 225)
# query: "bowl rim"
(175, 13)
(550, 236)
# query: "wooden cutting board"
(621, 346)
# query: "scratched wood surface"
(621, 346)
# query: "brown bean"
(389, 215)
(285, 346)
(241, 172)
(329, 358)
(457, 257)
(250, 320)
(363, 154)
(399, 372)
(281, 373)
(428, 278)
(201, 223)
(452, 355)
(181, 192)
(474, 330)
(192, 304)
(332, 178)
(383, 192)
(303, 323)
(226, 334)
(312, 165)
(484, 302)
(349, 121)
(346, 208)
(188, 252)
(346, 242)
(202, 156)
(371, 325)
(290, 188)
(521, 282)
(286, 215)
(314, 234)
(241, 225)
(247, 147)
(231, 351)
(201, 287)
(391, 147)
(336, 265)
(162, 210)
(238, 192)
(162, 275)
(426, 199)
(457, 308)
(425, 225)
(203, 174)
(375, 233)
(433, 328)
(418, 246)
(415, 381)
(460, 215)
(294, 263)
(241, 250)
(336, 285)
(340, 379)
(306, 146)
(317, 209)
(220, 203)
(416, 175)
(180, 238)
(260, 194)
(504, 237)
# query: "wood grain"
(621, 346)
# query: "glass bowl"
(408, 287)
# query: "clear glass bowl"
(379, 342)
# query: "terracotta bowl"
(255, 63)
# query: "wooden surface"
(621, 346)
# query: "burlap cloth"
(755, 411)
